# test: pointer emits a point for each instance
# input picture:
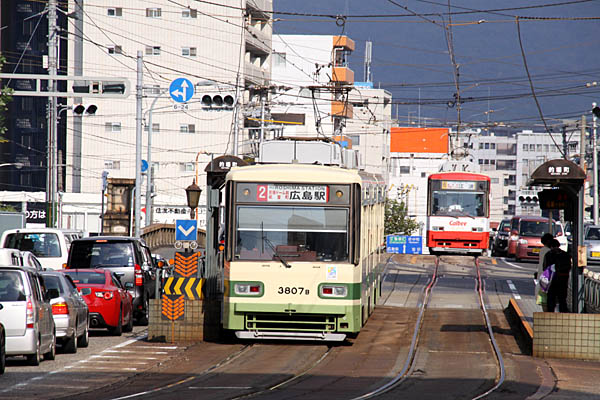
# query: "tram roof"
(293, 173)
(460, 176)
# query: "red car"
(109, 302)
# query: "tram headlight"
(333, 291)
(248, 289)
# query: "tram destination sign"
(292, 193)
(460, 185)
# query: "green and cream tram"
(302, 251)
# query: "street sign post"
(181, 90)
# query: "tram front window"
(292, 233)
(458, 203)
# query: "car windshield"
(537, 228)
(39, 243)
(101, 254)
(53, 282)
(593, 233)
(293, 233)
(11, 286)
(87, 277)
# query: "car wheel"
(143, 320)
(35, 358)
(71, 344)
(84, 339)
(51, 354)
(118, 330)
(129, 326)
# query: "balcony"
(343, 42)
(342, 75)
(256, 75)
(341, 109)
(257, 41)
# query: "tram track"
(409, 366)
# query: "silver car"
(591, 240)
(26, 314)
(70, 311)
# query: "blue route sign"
(186, 229)
(181, 90)
(144, 165)
(402, 244)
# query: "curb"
(525, 327)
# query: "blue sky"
(411, 59)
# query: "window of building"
(509, 149)
(278, 59)
(539, 147)
(188, 51)
(152, 50)
(506, 164)
(26, 103)
(505, 200)
(423, 174)
(155, 128)
(480, 161)
(153, 12)
(187, 128)
(112, 127)
(112, 164)
(480, 146)
(495, 180)
(114, 12)
(187, 167)
(492, 162)
(546, 148)
(486, 146)
(532, 147)
(493, 146)
(189, 13)
(525, 147)
(404, 169)
(114, 49)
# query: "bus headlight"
(333, 291)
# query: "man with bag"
(557, 292)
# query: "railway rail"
(409, 365)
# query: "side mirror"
(52, 293)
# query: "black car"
(500, 243)
(128, 257)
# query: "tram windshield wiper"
(275, 253)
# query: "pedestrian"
(540, 295)
(557, 292)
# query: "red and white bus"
(458, 211)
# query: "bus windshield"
(291, 233)
(458, 203)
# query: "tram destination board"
(293, 193)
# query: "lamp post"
(595, 115)
(192, 193)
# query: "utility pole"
(565, 144)
(595, 166)
(138, 143)
(52, 109)
(77, 118)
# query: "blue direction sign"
(181, 90)
(404, 244)
(186, 229)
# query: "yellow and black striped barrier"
(191, 288)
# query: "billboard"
(419, 140)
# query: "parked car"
(69, 309)
(110, 304)
(591, 240)
(2, 348)
(48, 244)
(26, 314)
(129, 257)
(524, 242)
(500, 243)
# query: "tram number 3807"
(292, 290)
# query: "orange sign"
(419, 140)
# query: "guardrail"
(591, 287)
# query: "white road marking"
(222, 387)
(134, 352)
(514, 265)
(128, 357)
(513, 289)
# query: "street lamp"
(192, 193)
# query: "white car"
(561, 236)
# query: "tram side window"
(292, 233)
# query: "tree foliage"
(397, 219)
(5, 98)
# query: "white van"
(51, 246)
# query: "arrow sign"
(181, 90)
(186, 229)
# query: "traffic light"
(113, 87)
(218, 101)
(88, 109)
